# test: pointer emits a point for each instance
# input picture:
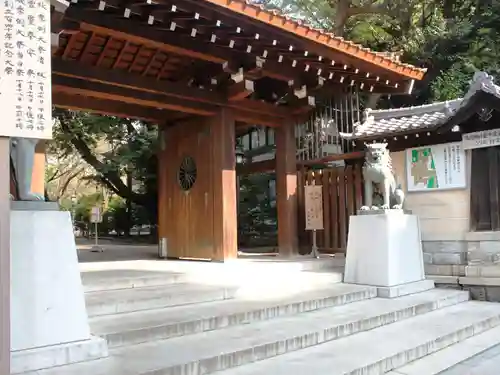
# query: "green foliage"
(117, 149)
(117, 216)
(119, 219)
(82, 208)
(451, 84)
(257, 215)
(452, 38)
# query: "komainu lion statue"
(378, 170)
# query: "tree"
(115, 148)
(451, 38)
(65, 175)
(257, 215)
(82, 210)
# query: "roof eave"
(335, 44)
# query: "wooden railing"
(342, 197)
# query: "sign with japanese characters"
(96, 215)
(485, 138)
(436, 167)
(25, 70)
(314, 207)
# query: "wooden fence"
(342, 197)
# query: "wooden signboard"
(314, 207)
(25, 69)
(481, 139)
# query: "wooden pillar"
(163, 206)
(38, 175)
(286, 189)
(222, 133)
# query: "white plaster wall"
(444, 215)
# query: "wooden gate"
(342, 197)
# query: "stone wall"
(483, 248)
(444, 220)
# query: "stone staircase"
(309, 323)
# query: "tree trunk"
(341, 16)
(129, 203)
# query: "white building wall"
(444, 219)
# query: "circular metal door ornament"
(187, 173)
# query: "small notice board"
(314, 207)
(436, 167)
(96, 215)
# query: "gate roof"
(158, 60)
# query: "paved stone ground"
(487, 363)
(116, 252)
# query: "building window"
(255, 140)
(245, 142)
(270, 136)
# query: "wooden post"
(4, 256)
(222, 132)
(286, 189)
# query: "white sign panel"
(485, 138)
(95, 216)
(436, 167)
(25, 69)
(314, 207)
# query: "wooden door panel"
(485, 189)
(493, 158)
(202, 236)
(191, 234)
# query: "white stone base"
(404, 289)
(384, 249)
(58, 355)
(49, 322)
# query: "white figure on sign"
(22, 152)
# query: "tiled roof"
(387, 122)
(383, 59)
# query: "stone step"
(381, 350)
(486, 363)
(128, 279)
(154, 297)
(462, 352)
(143, 326)
(130, 290)
(102, 280)
(212, 351)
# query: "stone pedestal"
(384, 249)
(49, 321)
